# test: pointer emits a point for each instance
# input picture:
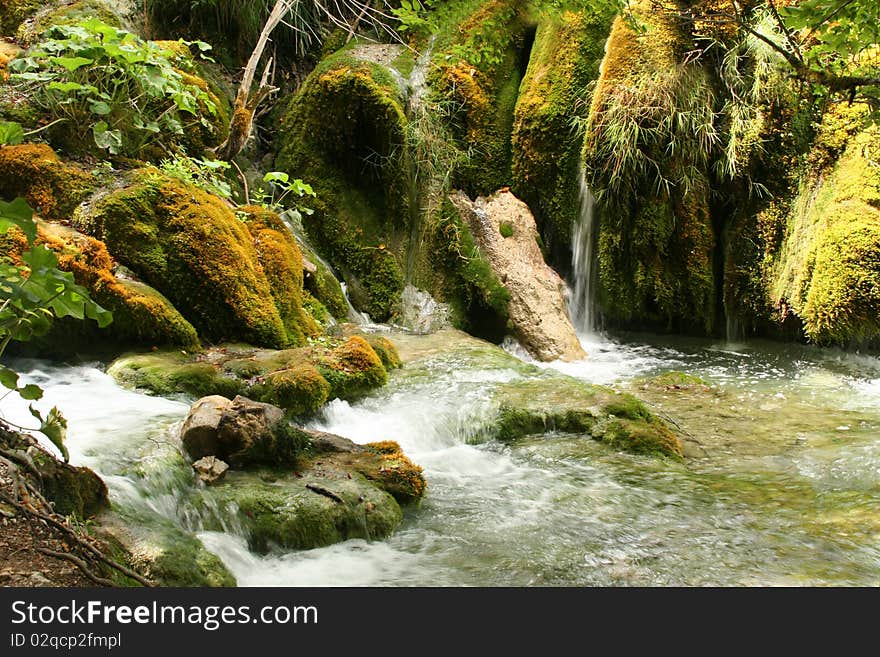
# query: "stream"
(783, 489)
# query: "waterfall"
(582, 303)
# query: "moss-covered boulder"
(349, 118)
(141, 315)
(555, 403)
(190, 246)
(298, 380)
(163, 552)
(564, 60)
(14, 12)
(827, 271)
(308, 510)
(650, 135)
(52, 187)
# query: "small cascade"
(582, 300)
(298, 234)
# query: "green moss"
(478, 299)
(282, 264)
(76, 491)
(566, 405)
(478, 71)
(650, 170)
(297, 380)
(828, 268)
(671, 381)
(352, 369)
(68, 13)
(565, 59)
(348, 120)
(284, 511)
(506, 229)
(167, 373)
(299, 389)
(190, 246)
(53, 188)
(14, 12)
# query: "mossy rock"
(298, 380)
(190, 246)
(72, 490)
(555, 403)
(165, 553)
(68, 13)
(656, 245)
(141, 315)
(565, 59)
(319, 507)
(14, 12)
(52, 187)
(175, 372)
(828, 268)
(282, 264)
(347, 115)
(479, 62)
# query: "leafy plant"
(280, 188)
(207, 175)
(106, 81)
(414, 17)
(34, 292)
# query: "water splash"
(582, 301)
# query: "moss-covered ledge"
(566, 405)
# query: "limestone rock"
(210, 469)
(506, 233)
(199, 431)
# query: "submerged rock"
(506, 234)
(557, 403)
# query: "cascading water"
(582, 301)
(787, 498)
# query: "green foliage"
(33, 293)
(414, 17)
(207, 175)
(127, 92)
(11, 133)
(280, 188)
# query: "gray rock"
(199, 433)
(210, 469)
(507, 236)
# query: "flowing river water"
(781, 487)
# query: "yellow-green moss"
(299, 389)
(14, 12)
(282, 264)
(344, 134)
(68, 13)
(386, 351)
(190, 246)
(52, 187)
(564, 60)
(828, 269)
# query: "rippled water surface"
(782, 483)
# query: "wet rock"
(253, 432)
(422, 313)
(316, 508)
(210, 469)
(557, 403)
(507, 236)
(200, 429)
(72, 490)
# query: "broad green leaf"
(72, 63)
(276, 176)
(106, 138)
(100, 108)
(65, 87)
(8, 378)
(54, 427)
(31, 392)
(18, 213)
(11, 133)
